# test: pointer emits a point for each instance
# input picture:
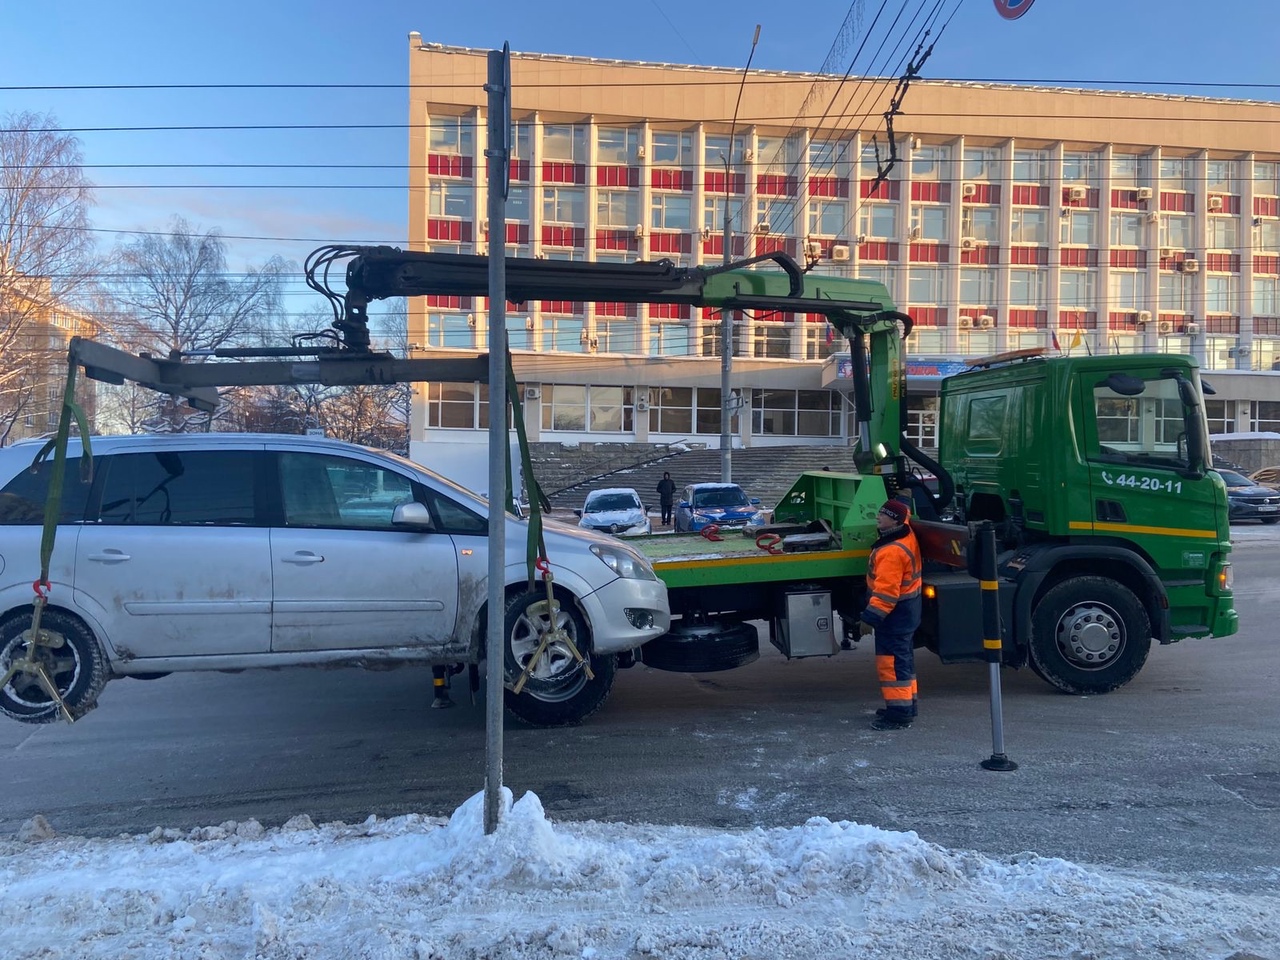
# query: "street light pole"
(726, 316)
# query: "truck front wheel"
(1089, 635)
(557, 690)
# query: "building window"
(931, 162)
(1175, 292)
(522, 140)
(564, 205)
(1224, 233)
(791, 413)
(1027, 288)
(617, 208)
(518, 204)
(885, 275)
(977, 286)
(670, 338)
(1126, 229)
(1215, 411)
(1079, 227)
(564, 407)
(926, 342)
(1266, 178)
(981, 223)
(1128, 290)
(457, 406)
(827, 158)
(1126, 169)
(981, 163)
(772, 340)
(1178, 173)
(1080, 166)
(452, 200)
(707, 418)
(1268, 234)
(672, 149)
(929, 222)
(1175, 232)
(1266, 416)
(519, 332)
(828, 218)
(1078, 289)
(617, 335)
(878, 220)
(925, 285)
(778, 213)
(922, 421)
(564, 143)
(713, 208)
(1031, 166)
(563, 333)
(672, 211)
(1222, 293)
(610, 409)
(776, 156)
(872, 156)
(1222, 176)
(1024, 339)
(671, 410)
(452, 330)
(1266, 297)
(975, 344)
(1029, 226)
(617, 145)
(1266, 353)
(716, 150)
(451, 135)
(821, 340)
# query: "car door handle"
(303, 557)
(109, 556)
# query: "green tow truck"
(1096, 472)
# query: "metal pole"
(499, 447)
(726, 316)
(988, 580)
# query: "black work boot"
(891, 720)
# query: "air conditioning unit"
(968, 243)
(1166, 252)
(584, 337)
(966, 323)
(1215, 203)
(840, 253)
(1144, 193)
(639, 231)
(985, 322)
(1153, 218)
(1192, 329)
(916, 143)
(915, 233)
(1244, 350)
(484, 226)
(749, 155)
(642, 405)
(471, 320)
(528, 323)
(641, 152)
(1144, 317)
(862, 238)
(969, 190)
(813, 250)
(762, 226)
(1165, 327)
(1190, 266)
(532, 393)
(1077, 193)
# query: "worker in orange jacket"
(893, 612)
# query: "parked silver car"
(225, 551)
(615, 510)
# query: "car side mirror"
(411, 514)
(755, 501)
(684, 503)
(577, 513)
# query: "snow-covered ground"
(428, 889)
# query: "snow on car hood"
(606, 518)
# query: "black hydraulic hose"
(946, 486)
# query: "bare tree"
(182, 297)
(46, 262)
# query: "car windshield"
(720, 497)
(612, 501)
(1233, 479)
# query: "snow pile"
(427, 889)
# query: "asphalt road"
(1178, 772)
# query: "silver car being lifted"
(227, 551)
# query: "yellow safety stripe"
(991, 644)
(990, 584)
(772, 558)
(1132, 528)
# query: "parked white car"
(226, 551)
(615, 510)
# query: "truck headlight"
(625, 563)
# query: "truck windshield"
(720, 497)
(1149, 428)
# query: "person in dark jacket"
(893, 612)
(667, 496)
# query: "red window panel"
(1023, 318)
(1221, 324)
(888, 190)
(715, 182)
(774, 244)
(776, 185)
(616, 309)
(713, 246)
(442, 302)
(1174, 260)
(561, 236)
(449, 165)
(1127, 199)
(445, 230)
(815, 318)
(666, 179)
(928, 253)
(1179, 320)
(828, 187)
(1122, 320)
(1134, 259)
(1267, 326)
(930, 191)
(1266, 206)
(671, 243)
(929, 316)
(986, 193)
(881, 250)
(520, 170)
(562, 306)
(710, 313)
(554, 171)
(617, 240)
(615, 176)
(1029, 195)
(1266, 264)
(517, 233)
(981, 255)
(1078, 257)
(1077, 320)
(670, 311)
(1090, 198)
(1229, 203)
(1222, 262)
(1177, 202)
(1029, 256)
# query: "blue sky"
(1130, 43)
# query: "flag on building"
(1056, 345)
(1077, 339)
